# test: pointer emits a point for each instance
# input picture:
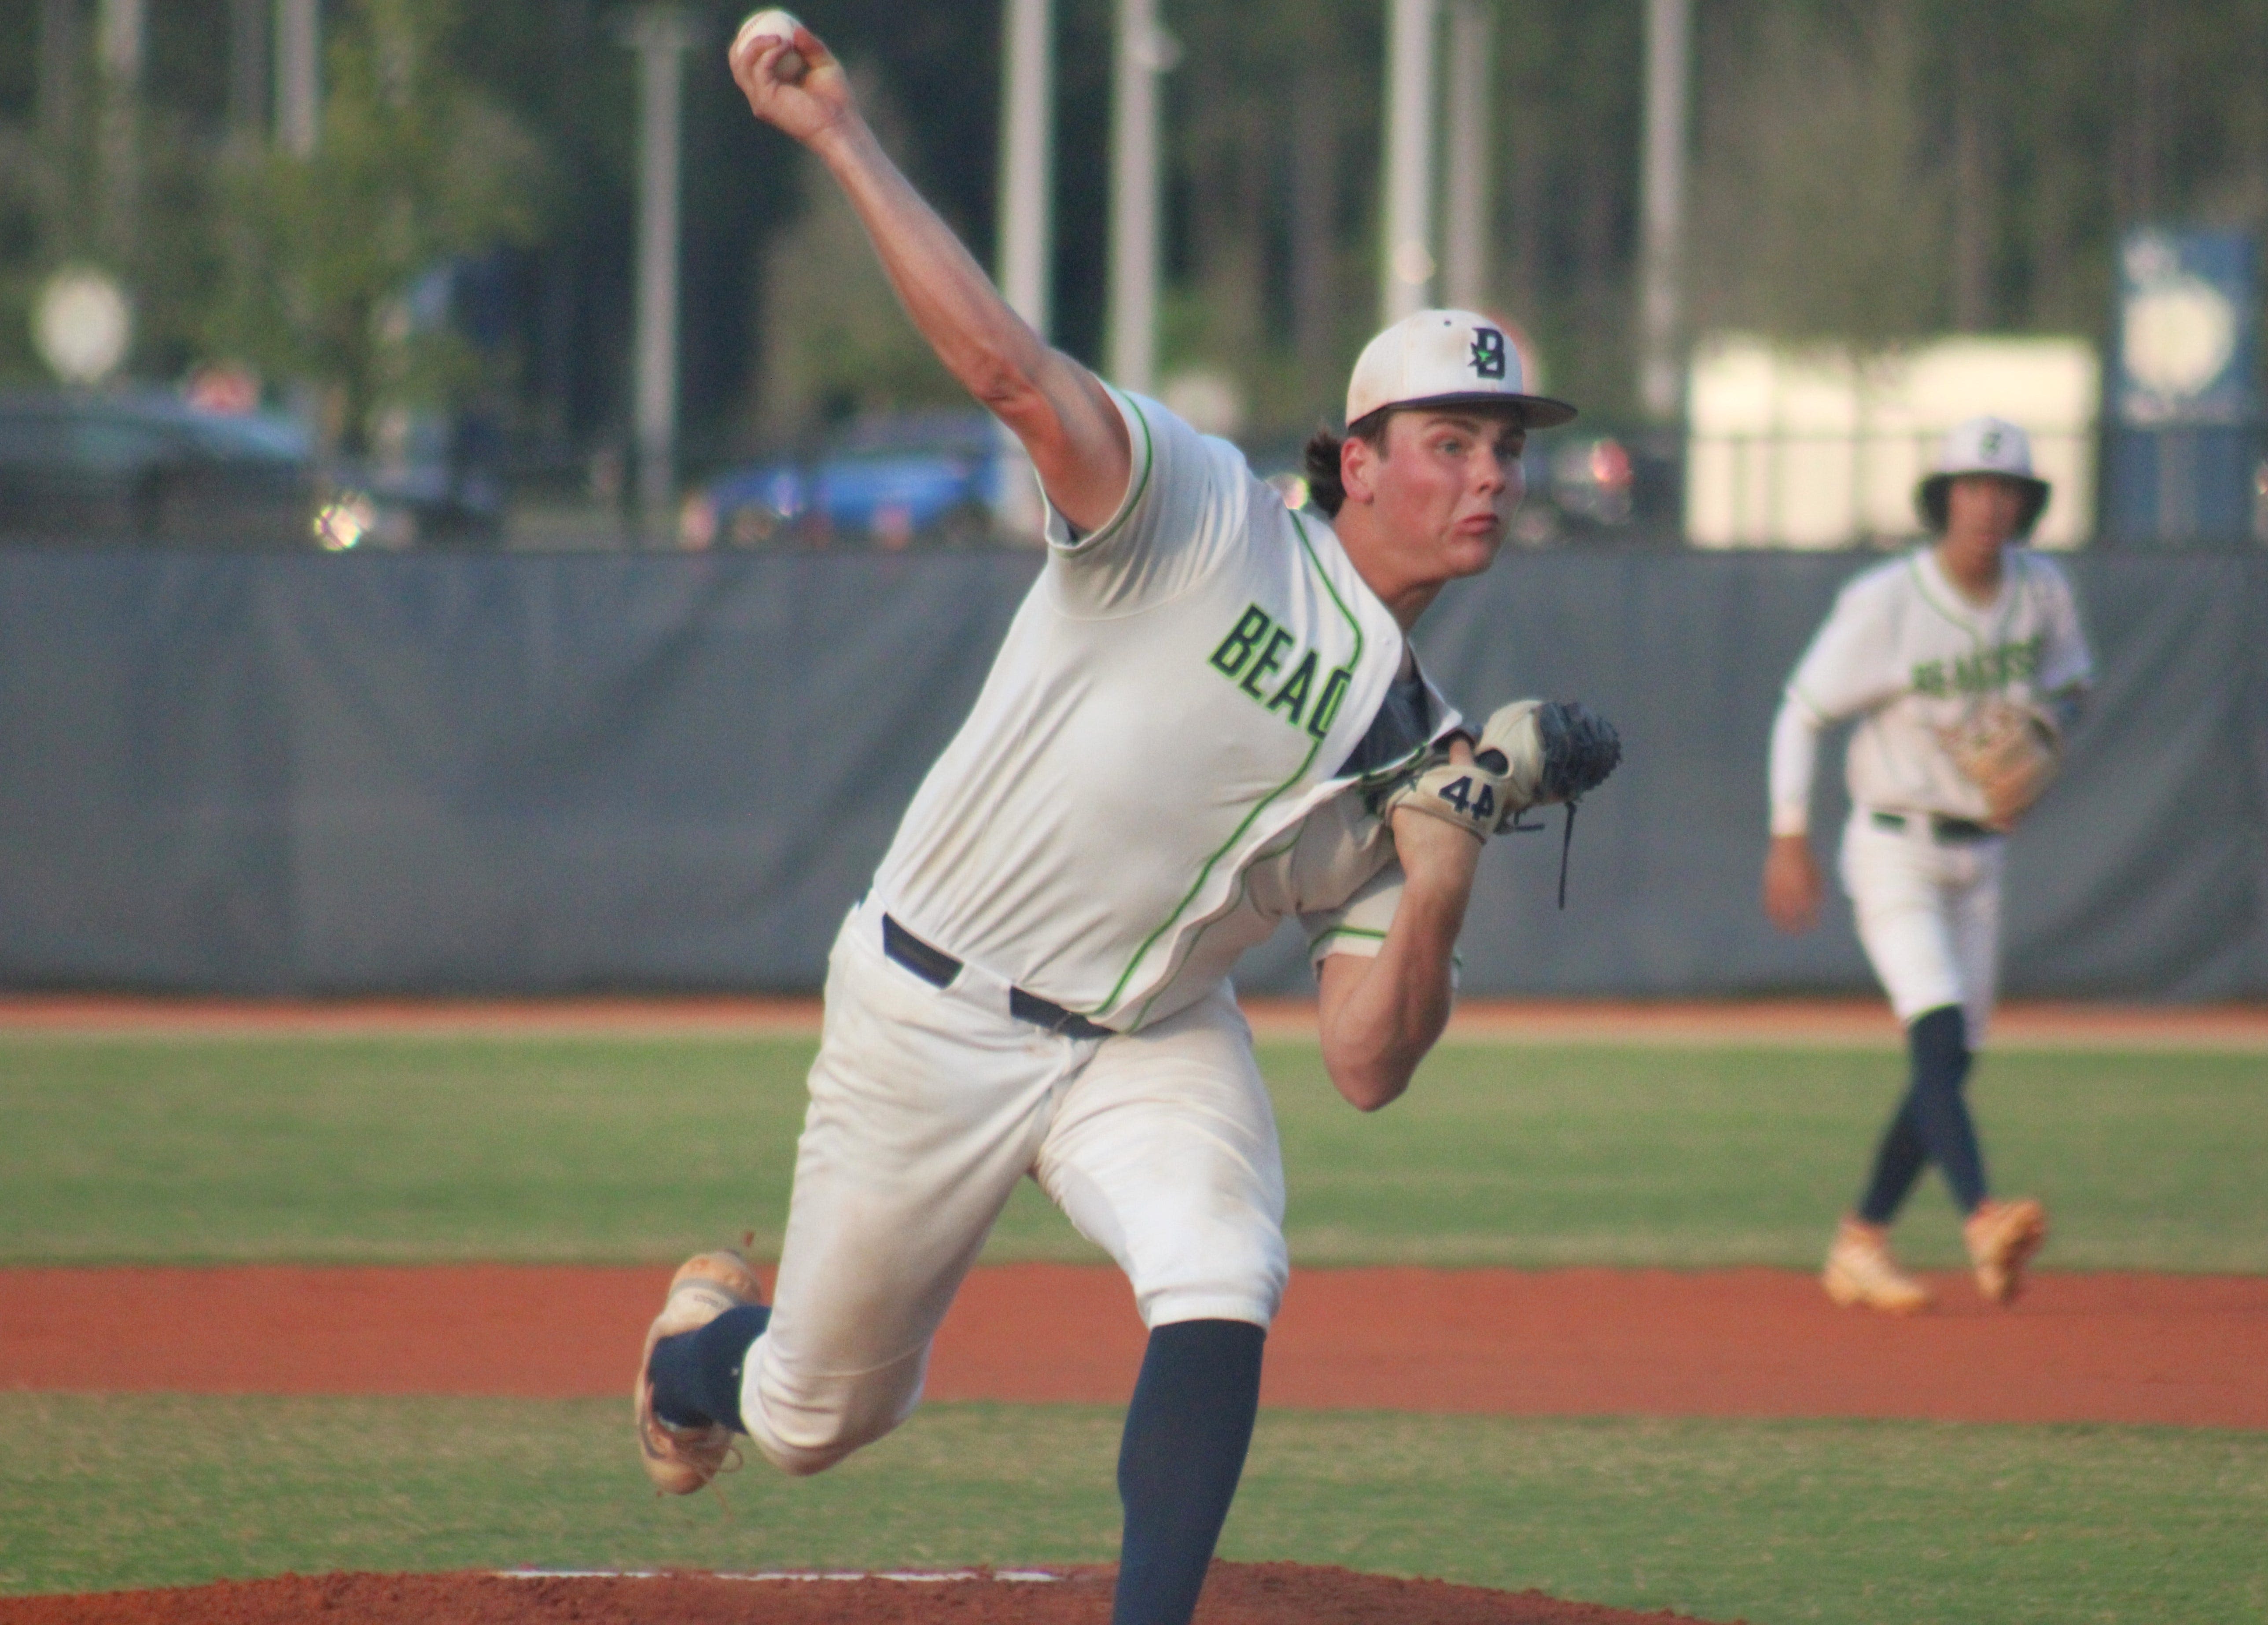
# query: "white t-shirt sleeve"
(1187, 498)
(1851, 665)
(1358, 925)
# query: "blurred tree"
(45, 74)
(1861, 170)
(1973, 38)
(1878, 172)
(415, 166)
(1569, 80)
(57, 198)
(837, 342)
(1270, 193)
(1821, 204)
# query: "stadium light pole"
(298, 75)
(121, 28)
(247, 68)
(1466, 231)
(1661, 186)
(1027, 227)
(1406, 277)
(1146, 50)
(662, 35)
(1024, 248)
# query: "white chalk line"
(904, 1577)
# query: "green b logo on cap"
(1488, 352)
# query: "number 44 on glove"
(1531, 754)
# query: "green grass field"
(414, 1149)
(1858, 1522)
(144, 1149)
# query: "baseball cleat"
(680, 1460)
(2002, 1236)
(1860, 1271)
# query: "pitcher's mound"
(1235, 1594)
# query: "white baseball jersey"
(1123, 812)
(1907, 653)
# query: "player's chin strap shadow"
(1567, 841)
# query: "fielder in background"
(1206, 718)
(1965, 665)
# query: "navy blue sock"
(1186, 1434)
(1932, 1119)
(696, 1374)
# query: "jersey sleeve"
(1185, 502)
(1358, 926)
(2065, 662)
(1852, 664)
(1794, 763)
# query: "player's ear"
(1358, 468)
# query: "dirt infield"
(2182, 1351)
(1235, 1594)
(1862, 1023)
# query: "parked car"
(1601, 485)
(433, 480)
(145, 468)
(915, 478)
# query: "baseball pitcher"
(1206, 718)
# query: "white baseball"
(780, 25)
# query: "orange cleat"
(680, 1460)
(1861, 1271)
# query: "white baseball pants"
(927, 1106)
(1929, 915)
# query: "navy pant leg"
(1898, 1162)
(1933, 1123)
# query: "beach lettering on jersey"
(1983, 673)
(1259, 657)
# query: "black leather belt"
(938, 968)
(1955, 831)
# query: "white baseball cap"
(1446, 358)
(1990, 445)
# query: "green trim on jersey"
(2015, 586)
(1921, 585)
(1809, 704)
(1345, 930)
(2016, 581)
(1204, 872)
(1134, 493)
(1400, 765)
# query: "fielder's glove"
(1531, 754)
(2011, 752)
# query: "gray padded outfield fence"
(257, 774)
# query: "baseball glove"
(1579, 748)
(1530, 754)
(2011, 752)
